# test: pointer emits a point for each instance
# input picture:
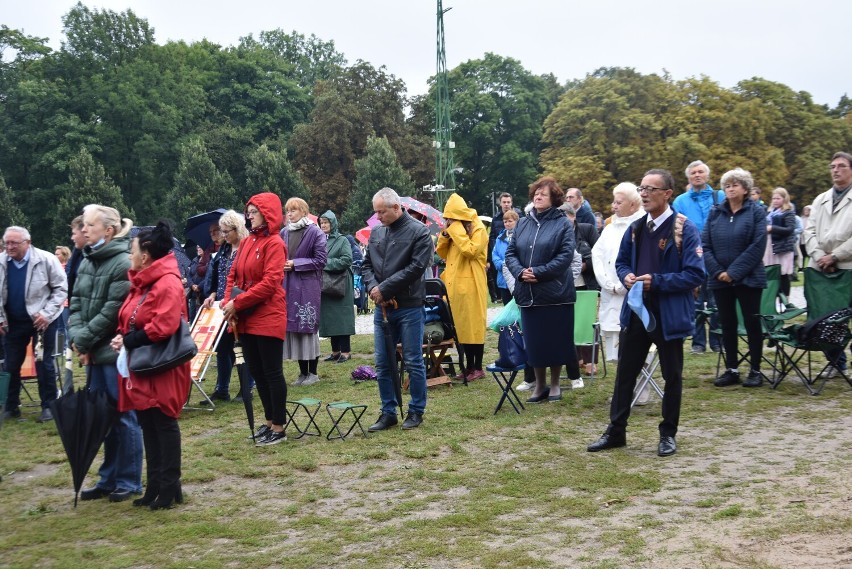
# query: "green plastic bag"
(510, 314)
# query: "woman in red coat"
(261, 310)
(151, 313)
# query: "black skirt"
(549, 335)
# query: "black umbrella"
(390, 352)
(197, 226)
(83, 419)
(242, 373)
(68, 379)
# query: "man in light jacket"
(33, 289)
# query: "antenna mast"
(444, 165)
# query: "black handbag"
(334, 284)
(162, 356)
(511, 347)
(237, 291)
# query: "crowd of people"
(283, 280)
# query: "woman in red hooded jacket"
(260, 310)
(151, 313)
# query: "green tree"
(87, 184)
(378, 169)
(270, 171)
(199, 186)
(312, 59)
(10, 214)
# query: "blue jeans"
(122, 467)
(699, 335)
(407, 327)
(20, 335)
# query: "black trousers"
(634, 344)
(726, 302)
(341, 344)
(161, 437)
(264, 356)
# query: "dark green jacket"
(99, 292)
(337, 316)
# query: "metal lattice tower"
(444, 165)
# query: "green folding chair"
(587, 328)
(825, 293)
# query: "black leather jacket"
(396, 261)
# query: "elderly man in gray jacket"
(33, 288)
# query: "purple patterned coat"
(303, 284)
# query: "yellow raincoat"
(465, 273)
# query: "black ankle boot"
(148, 498)
(168, 498)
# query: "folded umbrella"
(390, 353)
(83, 419)
(245, 388)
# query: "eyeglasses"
(649, 189)
(13, 243)
(252, 212)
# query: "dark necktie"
(651, 226)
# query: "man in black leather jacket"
(398, 254)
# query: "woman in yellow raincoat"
(463, 244)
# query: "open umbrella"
(390, 353)
(245, 388)
(363, 235)
(197, 226)
(431, 214)
(373, 221)
(83, 419)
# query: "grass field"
(761, 479)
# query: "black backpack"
(830, 328)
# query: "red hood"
(269, 205)
(158, 269)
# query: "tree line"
(174, 129)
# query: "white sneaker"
(311, 379)
(524, 386)
(577, 383)
(300, 380)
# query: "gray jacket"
(46, 287)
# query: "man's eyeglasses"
(13, 243)
(649, 189)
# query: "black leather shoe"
(332, 357)
(219, 396)
(667, 446)
(344, 359)
(45, 417)
(12, 414)
(168, 498)
(151, 493)
(754, 379)
(727, 379)
(412, 420)
(121, 495)
(385, 422)
(608, 440)
(540, 398)
(94, 493)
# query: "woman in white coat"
(626, 208)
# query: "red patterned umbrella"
(363, 235)
(432, 215)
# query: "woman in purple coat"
(306, 256)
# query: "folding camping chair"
(436, 355)
(825, 294)
(646, 376)
(207, 329)
(771, 320)
(587, 328)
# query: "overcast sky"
(803, 44)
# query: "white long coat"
(603, 261)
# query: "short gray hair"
(25, 234)
(388, 196)
(693, 165)
(738, 175)
(628, 191)
(567, 209)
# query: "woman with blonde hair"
(626, 208)
(99, 290)
(781, 228)
(232, 228)
(306, 250)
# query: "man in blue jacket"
(664, 249)
(696, 204)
